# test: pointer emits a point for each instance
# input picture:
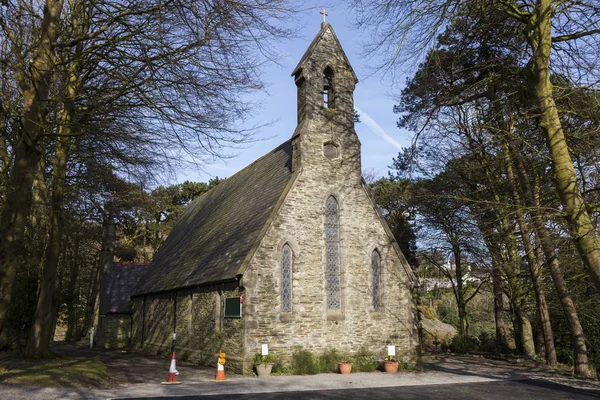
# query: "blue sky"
(381, 139)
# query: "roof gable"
(218, 230)
(117, 285)
(315, 44)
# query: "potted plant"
(345, 366)
(390, 364)
(263, 365)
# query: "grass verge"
(54, 372)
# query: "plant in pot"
(345, 366)
(390, 364)
(263, 365)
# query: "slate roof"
(218, 230)
(118, 284)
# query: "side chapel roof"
(117, 285)
(219, 230)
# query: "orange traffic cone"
(172, 378)
(220, 367)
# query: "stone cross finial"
(324, 14)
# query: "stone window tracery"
(332, 250)
(287, 259)
(376, 274)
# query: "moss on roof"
(218, 230)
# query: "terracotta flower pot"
(263, 369)
(345, 368)
(391, 367)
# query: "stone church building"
(290, 251)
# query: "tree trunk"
(26, 155)
(577, 337)
(492, 246)
(72, 332)
(532, 261)
(463, 322)
(501, 340)
(512, 263)
(106, 260)
(40, 336)
(580, 224)
(528, 342)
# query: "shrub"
(487, 342)
(260, 359)
(427, 312)
(364, 361)
(304, 363)
(459, 345)
(405, 365)
(328, 361)
(280, 369)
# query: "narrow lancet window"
(328, 88)
(332, 249)
(287, 259)
(376, 272)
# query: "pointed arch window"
(332, 250)
(376, 274)
(328, 88)
(287, 259)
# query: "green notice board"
(233, 308)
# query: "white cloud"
(377, 129)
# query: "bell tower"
(325, 81)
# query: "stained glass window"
(376, 272)
(332, 249)
(286, 278)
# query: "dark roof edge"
(269, 221)
(184, 288)
(409, 272)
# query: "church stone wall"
(310, 325)
(114, 331)
(301, 223)
(201, 329)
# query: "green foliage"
(458, 345)
(18, 318)
(405, 365)
(427, 312)
(280, 369)
(393, 196)
(487, 342)
(328, 360)
(364, 361)
(304, 363)
(260, 359)
(447, 310)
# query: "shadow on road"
(497, 390)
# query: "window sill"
(334, 315)
(287, 317)
(377, 315)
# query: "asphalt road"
(533, 389)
